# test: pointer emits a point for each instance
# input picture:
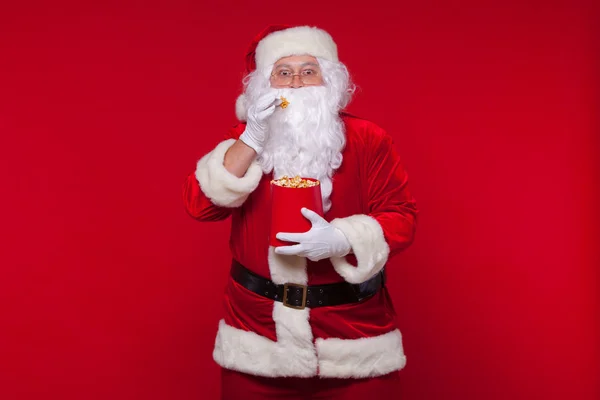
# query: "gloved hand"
(323, 240)
(256, 125)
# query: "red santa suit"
(371, 205)
(266, 348)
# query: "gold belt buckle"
(286, 288)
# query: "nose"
(296, 82)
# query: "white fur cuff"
(361, 358)
(368, 245)
(222, 187)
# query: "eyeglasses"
(308, 76)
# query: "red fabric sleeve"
(390, 202)
(196, 203)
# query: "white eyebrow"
(310, 63)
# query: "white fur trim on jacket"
(300, 40)
(222, 187)
(293, 354)
(250, 353)
(368, 245)
(287, 269)
(361, 358)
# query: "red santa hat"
(278, 41)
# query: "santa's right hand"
(256, 122)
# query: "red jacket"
(371, 204)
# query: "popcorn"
(295, 182)
(284, 102)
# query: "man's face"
(296, 72)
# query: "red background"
(109, 290)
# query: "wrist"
(248, 139)
(345, 247)
(244, 147)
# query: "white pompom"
(240, 107)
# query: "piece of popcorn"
(284, 102)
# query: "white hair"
(307, 138)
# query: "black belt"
(300, 296)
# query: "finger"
(294, 250)
(290, 237)
(311, 215)
(265, 113)
(316, 255)
(268, 100)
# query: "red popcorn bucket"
(286, 203)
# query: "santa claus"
(312, 319)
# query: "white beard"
(305, 139)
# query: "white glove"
(256, 125)
(323, 240)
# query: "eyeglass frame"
(317, 75)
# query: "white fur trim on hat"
(300, 40)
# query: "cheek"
(273, 85)
(320, 82)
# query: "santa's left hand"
(323, 240)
